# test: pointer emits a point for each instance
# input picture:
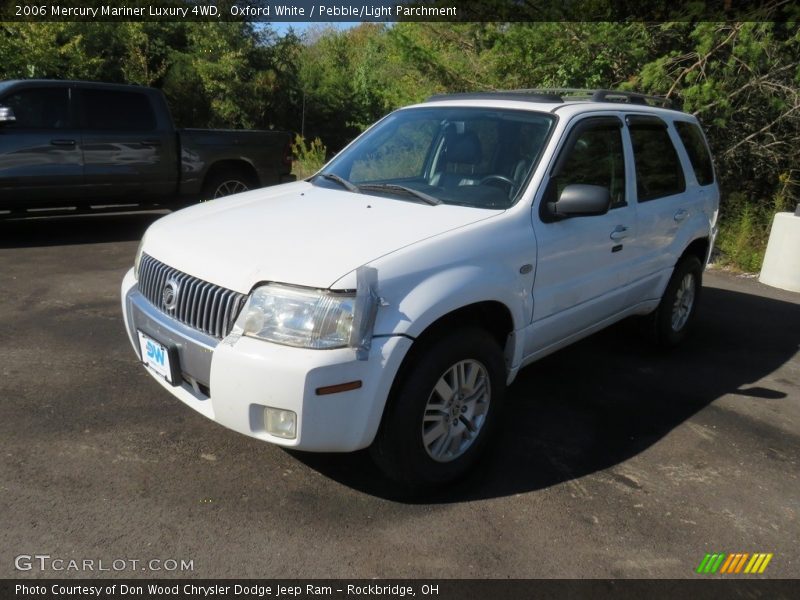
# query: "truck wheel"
(673, 317)
(227, 182)
(443, 412)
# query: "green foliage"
(349, 79)
(745, 226)
(744, 230)
(308, 157)
(739, 78)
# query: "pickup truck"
(79, 144)
(389, 300)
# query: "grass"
(744, 231)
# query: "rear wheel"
(676, 311)
(226, 182)
(442, 414)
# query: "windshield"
(469, 156)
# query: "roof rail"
(560, 95)
(630, 97)
(519, 95)
(600, 95)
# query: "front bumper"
(232, 381)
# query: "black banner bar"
(399, 10)
(360, 589)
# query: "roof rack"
(630, 98)
(561, 95)
(520, 95)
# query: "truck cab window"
(39, 108)
(111, 110)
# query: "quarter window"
(697, 150)
(658, 170)
(110, 110)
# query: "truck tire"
(673, 318)
(224, 182)
(443, 412)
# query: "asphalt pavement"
(615, 460)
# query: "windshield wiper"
(350, 187)
(393, 187)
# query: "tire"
(675, 314)
(226, 182)
(427, 439)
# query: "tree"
(741, 79)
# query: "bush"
(744, 230)
(308, 157)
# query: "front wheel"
(442, 414)
(676, 311)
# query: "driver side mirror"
(6, 115)
(580, 200)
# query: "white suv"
(389, 300)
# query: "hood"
(295, 233)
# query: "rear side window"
(39, 108)
(697, 150)
(658, 170)
(112, 110)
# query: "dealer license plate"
(155, 355)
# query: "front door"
(583, 262)
(40, 152)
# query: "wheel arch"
(492, 316)
(699, 247)
(238, 165)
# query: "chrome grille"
(202, 305)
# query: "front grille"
(201, 305)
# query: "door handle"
(681, 215)
(62, 142)
(151, 142)
(619, 233)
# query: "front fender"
(446, 291)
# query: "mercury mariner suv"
(389, 300)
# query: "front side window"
(39, 108)
(468, 156)
(595, 158)
(111, 110)
(658, 170)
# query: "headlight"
(298, 317)
(138, 259)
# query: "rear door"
(662, 199)
(129, 151)
(40, 153)
(583, 262)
